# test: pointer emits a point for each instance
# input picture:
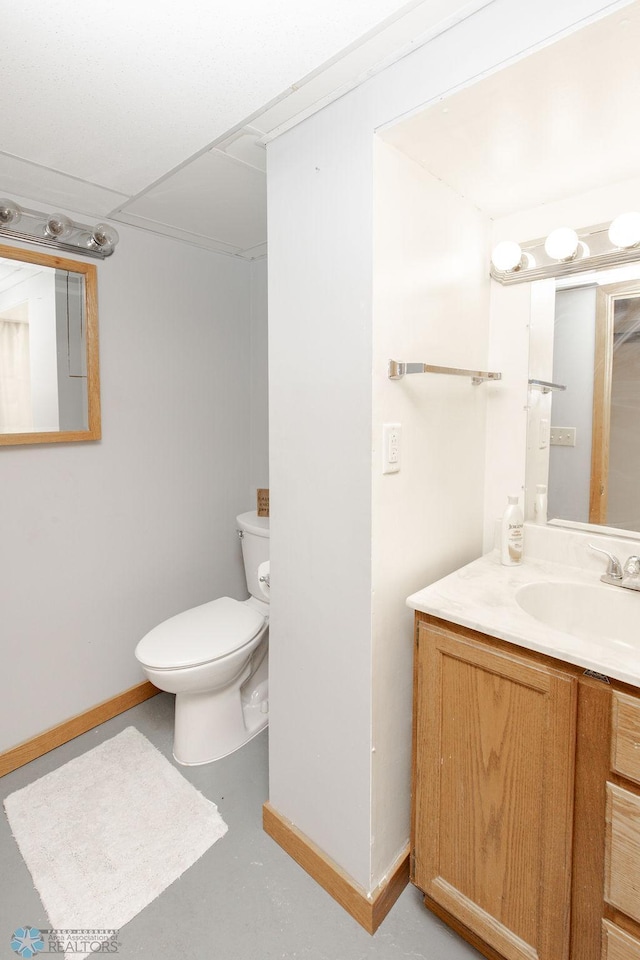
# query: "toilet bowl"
(214, 658)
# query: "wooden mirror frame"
(89, 273)
(606, 297)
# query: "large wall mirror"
(49, 374)
(583, 434)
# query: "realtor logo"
(27, 942)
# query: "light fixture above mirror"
(56, 230)
(566, 251)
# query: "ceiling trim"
(176, 233)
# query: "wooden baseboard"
(63, 732)
(462, 930)
(369, 910)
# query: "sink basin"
(592, 611)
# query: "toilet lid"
(199, 635)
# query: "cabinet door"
(493, 792)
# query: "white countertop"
(482, 596)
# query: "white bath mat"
(107, 832)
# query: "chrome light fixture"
(58, 227)
(56, 230)
(10, 212)
(103, 238)
(566, 251)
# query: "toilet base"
(210, 726)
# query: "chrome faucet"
(628, 577)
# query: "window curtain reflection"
(15, 378)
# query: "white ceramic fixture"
(589, 611)
(214, 658)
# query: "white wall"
(431, 303)
(328, 683)
(101, 541)
(320, 304)
(259, 386)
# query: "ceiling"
(553, 125)
(157, 115)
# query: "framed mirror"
(583, 440)
(49, 369)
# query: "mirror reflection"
(49, 380)
(583, 441)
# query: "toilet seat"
(200, 635)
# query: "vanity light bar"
(565, 252)
(56, 231)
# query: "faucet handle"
(632, 566)
(614, 568)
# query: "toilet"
(214, 658)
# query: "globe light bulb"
(10, 212)
(562, 244)
(507, 256)
(58, 227)
(103, 238)
(624, 231)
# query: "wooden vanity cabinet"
(526, 799)
(493, 791)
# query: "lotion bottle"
(512, 534)
(540, 504)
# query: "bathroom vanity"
(526, 768)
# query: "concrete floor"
(245, 897)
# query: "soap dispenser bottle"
(512, 534)
(540, 503)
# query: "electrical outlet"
(563, 436)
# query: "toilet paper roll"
(263, 578)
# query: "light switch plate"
(543, 441)
(391, 437)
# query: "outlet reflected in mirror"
(49, 376)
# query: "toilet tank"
(254, 536)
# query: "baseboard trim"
(74, 726)
(369, 910)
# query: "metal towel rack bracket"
(546, 385)
(398, 370)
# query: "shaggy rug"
(107, 832)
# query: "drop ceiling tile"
(18, 177)
(214, 196)
(116, 96)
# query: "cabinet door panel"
(625, 752)
(617, 944)
(495, 741)
(622, 856)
